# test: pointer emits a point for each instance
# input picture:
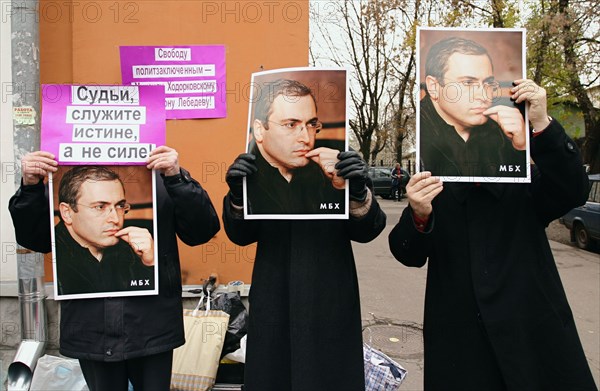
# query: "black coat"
(116, 329)
(304, 326)
(496, 314)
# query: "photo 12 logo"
(69, 12)
(252, 11)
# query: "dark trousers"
(395, 192)
(149, 373)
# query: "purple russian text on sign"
(95, 124)
(193, 77)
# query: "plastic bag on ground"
(240, 354)
(381, 372)
(54, 373)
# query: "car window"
(380, 172)
(374, 172)
(594, 192)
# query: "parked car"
(382, 181)
(584, 221)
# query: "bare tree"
(495, 13)
(405, 67)
(363, 37)
(563, 52)
(573, 34)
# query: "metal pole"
(26, 138)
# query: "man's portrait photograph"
(296, 128)
(104, 231)
(468, 128)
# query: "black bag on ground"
(231, 303)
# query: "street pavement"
(392, 297)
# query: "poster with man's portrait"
(104, 231)
(297, 124)
(468, 127)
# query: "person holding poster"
(496, 314)
(304, 329)
(94, 252)
(124, 338)
(462, 132)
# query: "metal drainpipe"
(30, 268)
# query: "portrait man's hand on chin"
(463, 130)
(94, 252)
(291, 175)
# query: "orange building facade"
(79, 44)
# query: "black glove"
(351, 166)
(243, 166)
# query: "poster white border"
(487, 179)
(148, 292)
(340, 216)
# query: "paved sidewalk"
(392, 298)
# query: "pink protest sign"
(193, 77)
(102, 124)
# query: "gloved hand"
(351, 166)
(243, 166)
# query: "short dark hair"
(267, 92)
(69, 189)
(436, 63)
